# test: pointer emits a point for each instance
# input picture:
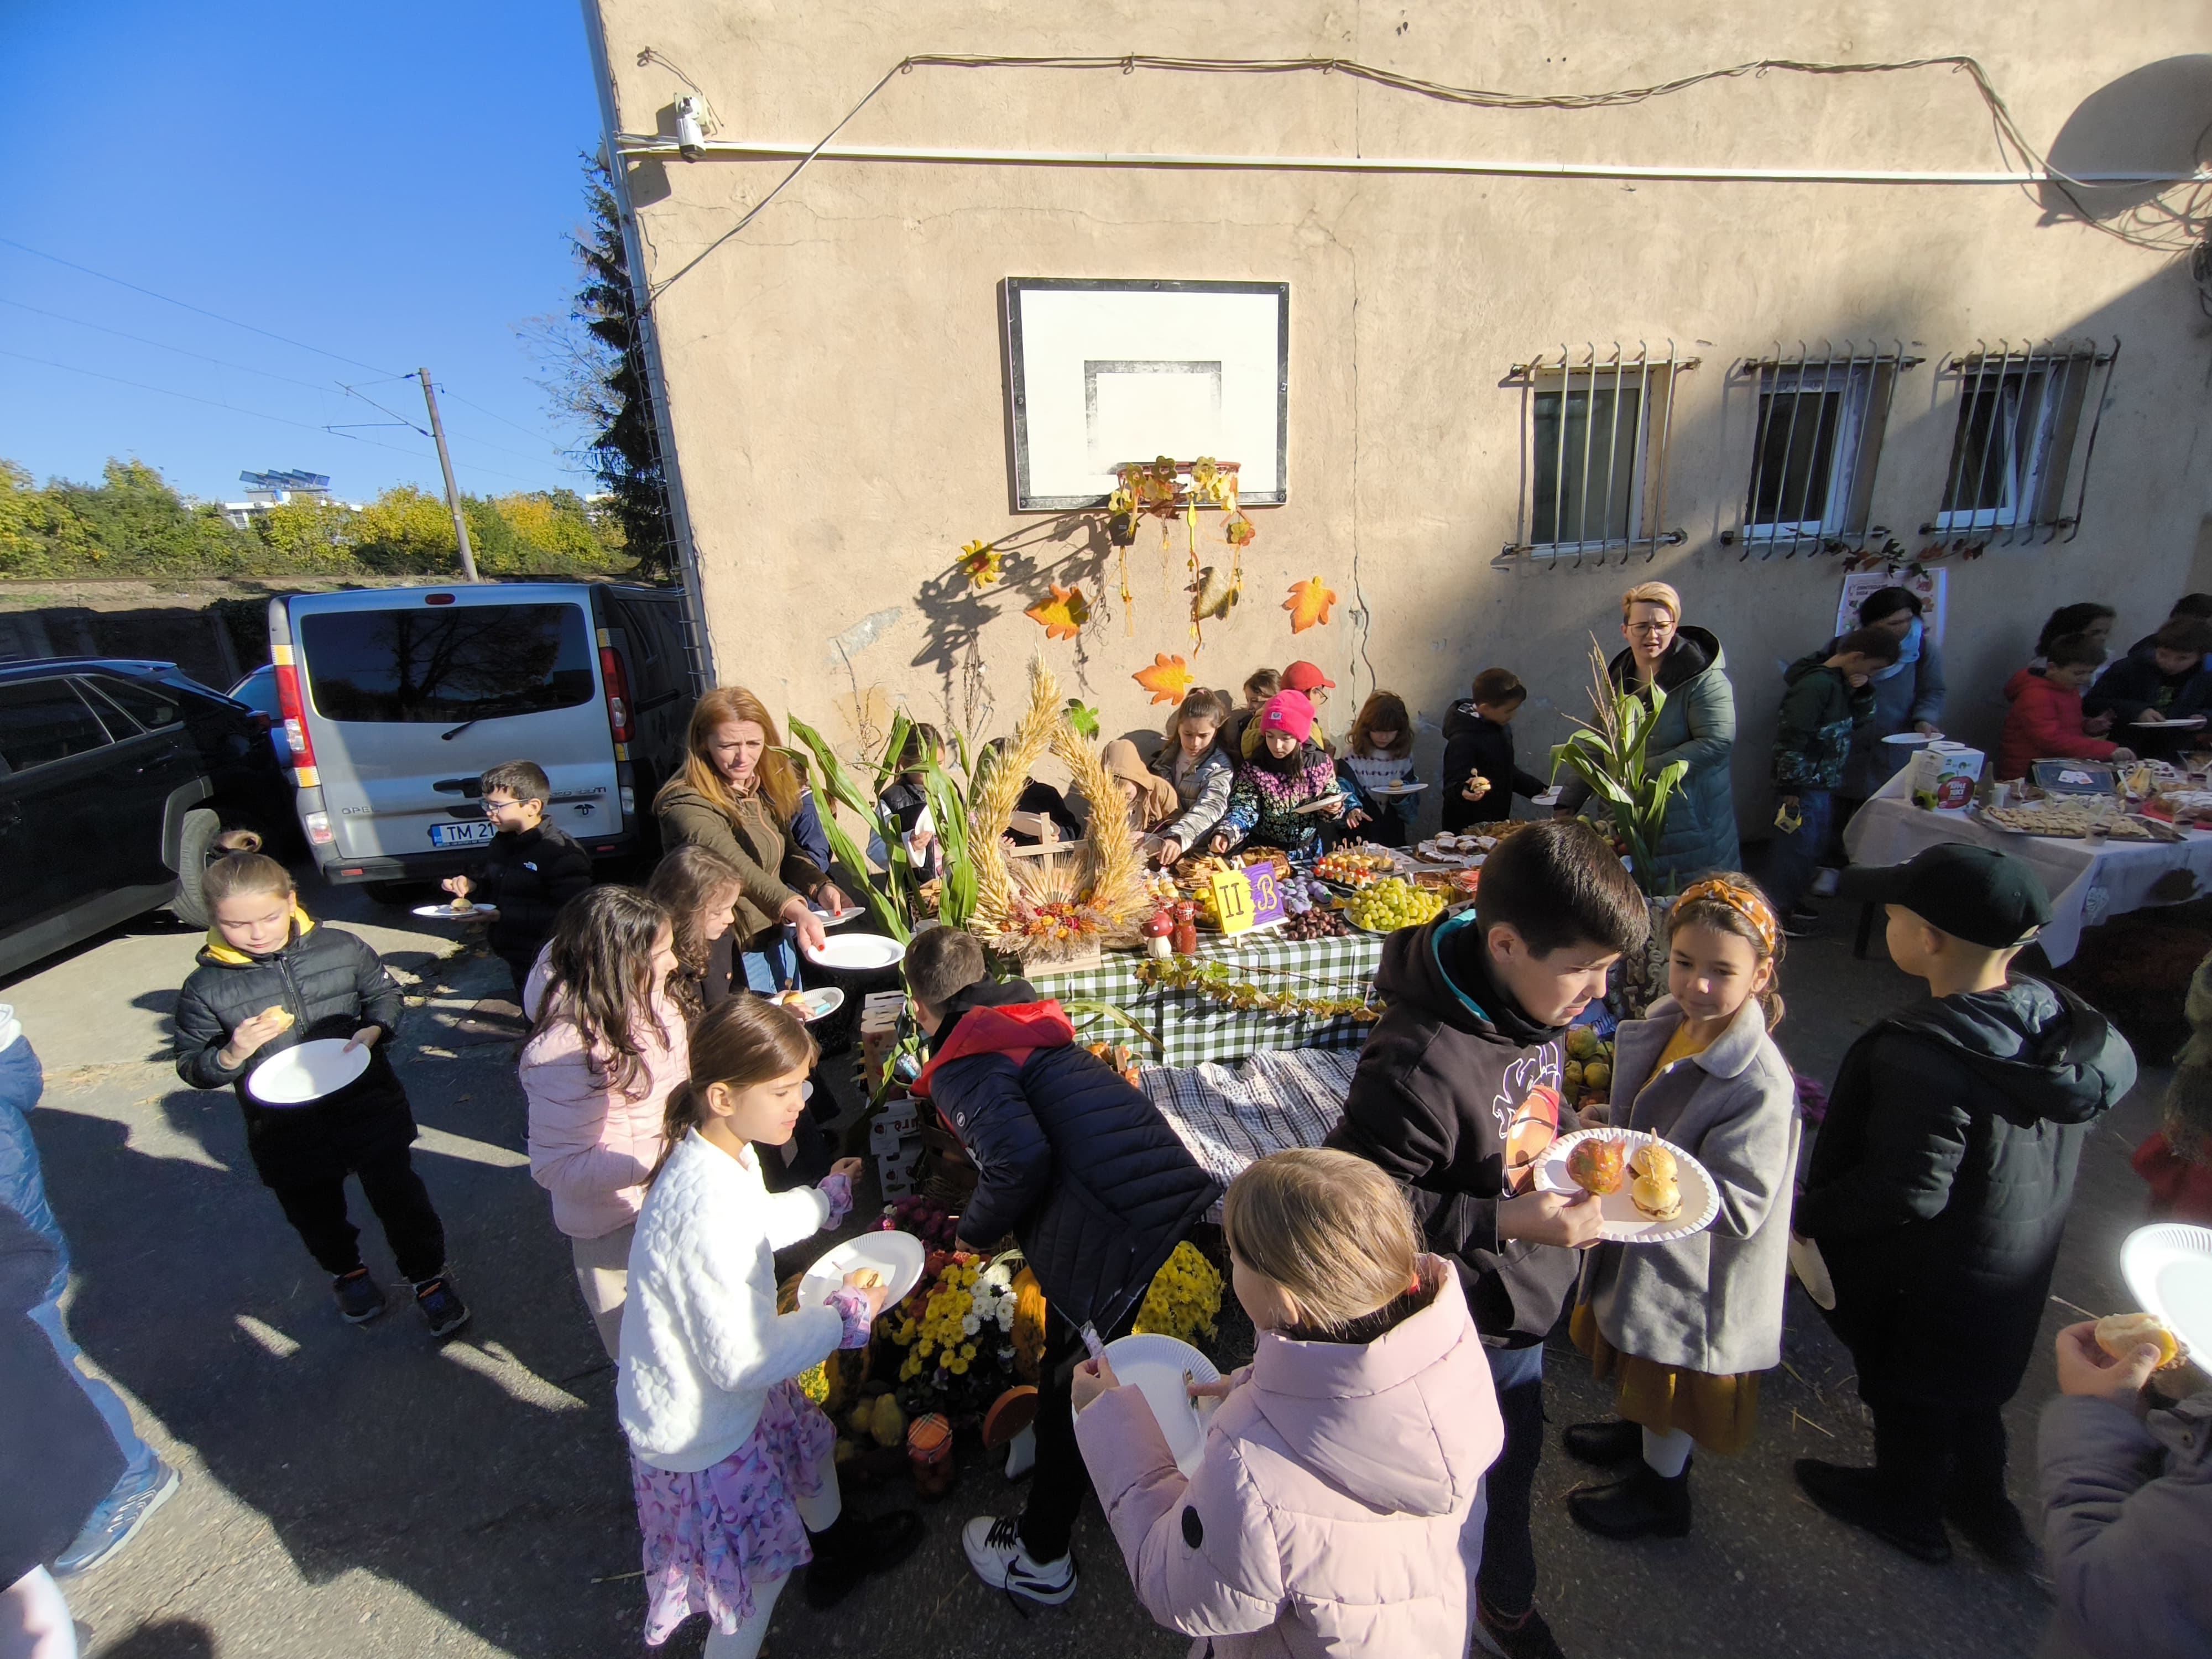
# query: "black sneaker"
(443, 1311)
(1993, 1527)
(1644, 1503)
(360, 1298)
(850, 1548)
(1614, 1440)
(1855, 1497)
(1526, 1638)
(1801, 922)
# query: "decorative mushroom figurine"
(1158, 931)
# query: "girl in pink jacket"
(608, 1048)
(1338, 1511)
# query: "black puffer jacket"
(528, 877)
(1473, 743)
(333, 985)
(1938, 1189)
(1453, 1078)
(1079, 1166)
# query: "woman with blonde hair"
(1337, 1507)
(737, 796)
(1684, 669)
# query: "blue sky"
(392, 183)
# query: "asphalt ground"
(365, 1491)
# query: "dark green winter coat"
(1820, 711)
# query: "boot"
(850, 1548)
(1646, 1505)
(1605, 1443)
(1857, 1497)
(1992, 1525)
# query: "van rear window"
(468, 662)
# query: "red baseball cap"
(1304, 677)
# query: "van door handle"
(456, 786)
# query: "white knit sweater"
(702, 1341)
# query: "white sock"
(1668, 1454)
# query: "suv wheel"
(195, 846)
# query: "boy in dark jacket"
(1457, 1095)
(1828, 699)
(2165, 680)
(1086, 1174)
(1479, 772)
(529, 871)
(1937, 1193)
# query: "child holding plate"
(1378, 759)
(1684, 1328)
(271, 978)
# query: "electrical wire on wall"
(2159, 225)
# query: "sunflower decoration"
(981, 564)
(1049, 908)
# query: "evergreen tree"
(626, 453)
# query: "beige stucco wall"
(836, 387)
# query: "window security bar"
(2023, 410)
(1817, 444)
(1595, 433)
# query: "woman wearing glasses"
(1696, 724)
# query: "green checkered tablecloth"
(1194, 1028)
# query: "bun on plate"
(1656, 1162)
(1660, 1200)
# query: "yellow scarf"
(302, 925)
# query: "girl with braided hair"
(1683, 1329)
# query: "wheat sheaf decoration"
(1059, 905)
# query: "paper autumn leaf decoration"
(1308, 604)
(1167, 679)
(1062, 616)
(981, 564)
(1239, 530)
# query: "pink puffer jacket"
(591, 1145)
(1340, 1490)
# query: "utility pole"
(446, 463)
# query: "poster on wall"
(1100, 372)
(1861, 584)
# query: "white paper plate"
(860, 953)
(2188, 723)
(1320, 805)
(897, 1257)
(1156, 1366)
(306, 1072)
(836, 918)
(1913, 740)
(446, 913)
(2168, 1266)
(1624, 1223)
(1397, 789)
(1549, 798)
(819, 1002)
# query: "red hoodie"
(2044, 724)
(1016, 1031)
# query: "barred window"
(1595, 438)
(2022, 420)
(1821, 420)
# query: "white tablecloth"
(2085, 883)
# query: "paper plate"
(2188, 723)
(1549, 798)
(812, 1005)
(836, 918)
(446, 913)
(1914, 739)
(307, 1072)
(1321, 805)
(2168, 1266)
(1156, 1366)
(1397, 789)
(897, 1257)
(859, 953)
(1624, 1223)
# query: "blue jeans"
(23, 1189)
(1793, 860)
(773, 969)
(1507, 1577)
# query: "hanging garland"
(1218, 982)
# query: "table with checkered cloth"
(1231, 1116)
(1193, 1028)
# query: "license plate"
(461, 834)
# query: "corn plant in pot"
(1608, 754)
(898, 905)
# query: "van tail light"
(616, 681)
(319, 828)
(296, 717)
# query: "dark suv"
(115, 779)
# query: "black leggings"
(1925, 1452)
(1057, 1489)
(318, 1210)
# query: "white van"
(395, 699)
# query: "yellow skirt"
(1718, 1412)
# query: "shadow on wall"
(2154, 119)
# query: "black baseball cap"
(1986, 897)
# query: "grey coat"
(1710, 1302)
(2127, 1509)
(1913, 694)
(1203, 791)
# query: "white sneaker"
(1824, 884)
(994, 1549)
